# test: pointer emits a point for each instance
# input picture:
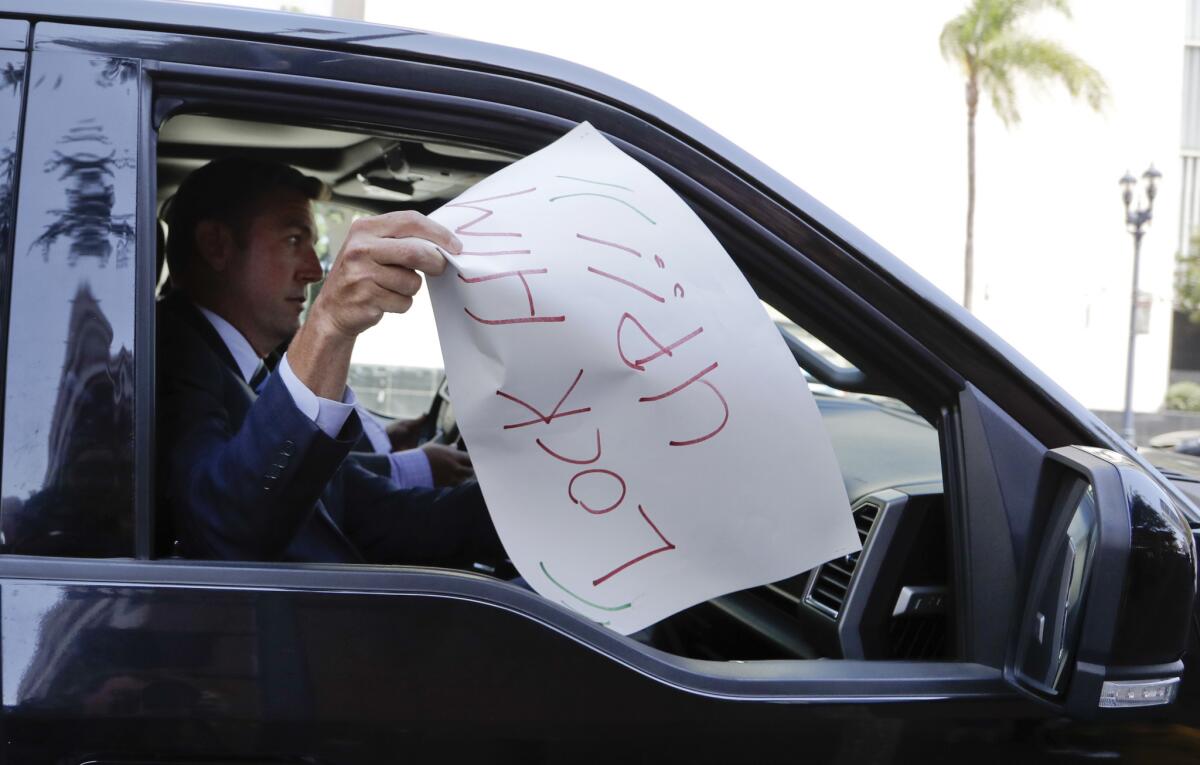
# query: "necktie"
(259, 378)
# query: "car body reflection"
(82, 502)
(68, 417)
(88, 219)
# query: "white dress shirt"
(329, 415)
(409, 469)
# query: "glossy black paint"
(67, 483)
(113, 660)
(342, 664)
(1138, 577)
(1160, 579)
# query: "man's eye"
(294, 240)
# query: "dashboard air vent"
(917, 637)
(831, 582)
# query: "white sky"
(853, 102)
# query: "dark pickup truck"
(1026, 587)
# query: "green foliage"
(987, 42)
(1184, 396)
(1187, 280)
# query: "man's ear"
(214, 244)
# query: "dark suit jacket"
(250, 477)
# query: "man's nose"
(311, 269)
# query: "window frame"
(145, 282)
(239, 94)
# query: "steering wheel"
(440, 427)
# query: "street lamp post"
(1136, 220)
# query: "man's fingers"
(461, 466)
(406, 223)
(402, 281)
(410, 252)
(377, 269)
(449, 465)
(389, 301)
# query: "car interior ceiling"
(369, 172)
(798, 618)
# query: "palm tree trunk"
(969, 255)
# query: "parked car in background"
(1027, 582)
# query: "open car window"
(890, 456)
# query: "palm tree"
(987, 41)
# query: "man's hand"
(376, 270)
(403, 434)
(375, 273)
(449, 466)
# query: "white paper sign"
(643, 436)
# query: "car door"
(113, 650)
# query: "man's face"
(275, 263)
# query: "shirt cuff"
(410, 469)
(329, 415)
(374, 430)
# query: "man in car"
(252, 462)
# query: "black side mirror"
(1110, 592)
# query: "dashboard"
(892, 600)
(889, 601)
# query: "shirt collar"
(243, 353)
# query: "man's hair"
(227, 191)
